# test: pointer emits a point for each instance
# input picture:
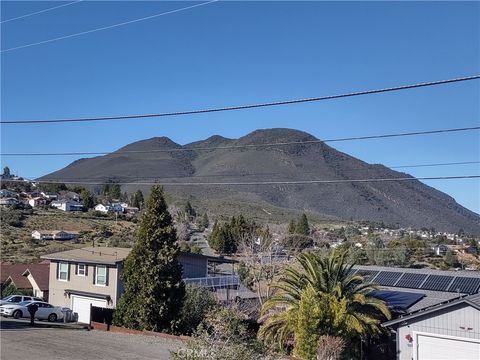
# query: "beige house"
(54, 235)
(88, 276)
(91, 276)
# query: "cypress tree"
(292, 227)
(152, 275)
(302, 227)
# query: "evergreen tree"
(302, 227)
(204, 223)
(189, 210)
(6, 172)
(88, 199)
(137, 199)
(154, 290)
(292, 226)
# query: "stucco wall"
(446, 322)
(57, 287)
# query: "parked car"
(45, 311)
(13, 299)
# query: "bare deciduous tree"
(330, 347)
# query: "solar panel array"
(465, 284)
(461, 284)
(388, 278)
(411, 280)
(437, 282)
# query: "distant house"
(67, 205)
(440, 250)
(54, 235)
(36, 202)
(4, 193)
(130, 210)
(70, 195)
(34, 277)
(91, 276)
(8, 201)
(109, 208)
(50, 195)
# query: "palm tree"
(324, 293)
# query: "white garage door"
(433, 347)
(81, 306)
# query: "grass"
(18, 246)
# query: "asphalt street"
(19, 341)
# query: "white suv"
(14, 299)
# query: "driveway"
(18, 341)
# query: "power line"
(41, 11)
(434, 164)
(108, 27)
(251, 183)
(244, 107)
(134, 179)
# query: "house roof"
(40, 273)
(17, 274)
(111, 255)
(471, 300)
(13, 273)
(97, 255)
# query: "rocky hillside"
(406, 203)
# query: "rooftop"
(98, 255)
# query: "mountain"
(406, 203)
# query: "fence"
(101, 315)
(216, 282)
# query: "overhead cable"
(41, 11)
(244, 107)
(107, 27)
(250, 183)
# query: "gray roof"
(97, 255)
(474, 274)
(471, 300)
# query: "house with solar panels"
(436, 314)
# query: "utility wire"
(434, 164)
(108, 27)
(244, 107)
(226, 147)
(154, 178)
(41, 11)
(251, 183)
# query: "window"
(101, 275)
(81, 271)
(15, 299)
(63, 271)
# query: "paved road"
(19, 341)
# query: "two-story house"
(91, 276)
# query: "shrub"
(198, 302)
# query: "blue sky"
(228, 53)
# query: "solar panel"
(387, 278)
(411, 280)
(465, 285)
(368, 274)
(437, 282)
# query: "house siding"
(58, 297)
(445, 322)
(193, 267)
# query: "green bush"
(198, 302)
(11, 217)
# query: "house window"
(81, 271)
(63, 271)
(101, 275)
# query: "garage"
(434, 347)
(81, 306)
(447, 330)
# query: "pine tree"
(302, 227)
(292, 227)
(154, 290)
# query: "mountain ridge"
(406, 203)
